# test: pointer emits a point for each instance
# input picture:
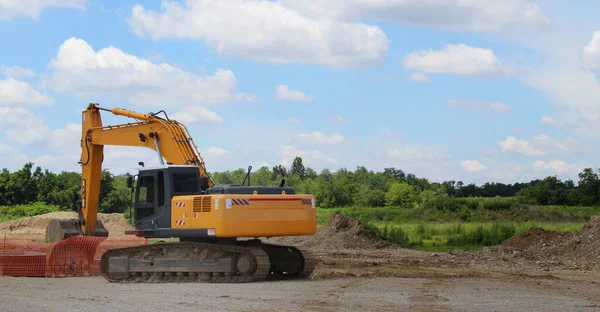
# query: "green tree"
(549, 191)
(298, 168)
(401, 194)
(279, 171)
(589, 187)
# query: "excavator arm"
(169, 138)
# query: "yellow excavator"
(217, 227)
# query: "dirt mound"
(535, 236)
(341, 232)
(578, 250)
(35, 227)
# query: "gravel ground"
(497, 293)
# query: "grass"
(466, 236)
(8, 213)
(434, 230)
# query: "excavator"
(199, 231)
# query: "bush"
(28, 210)
(376, 198)
(499, 203)
(396, 235)
(452, 204)
(401, 195)
(483, 236)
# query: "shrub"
(28, 210)
(483, 236)
(396, 235)
(401, 195)
(499, 203)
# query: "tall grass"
(28, 210)
(462, 236)
(473, 224)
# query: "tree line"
(342, 188)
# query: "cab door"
(145, 202)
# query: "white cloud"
(10, 9)
(480, 106)
(121, 159)
(473, 165)
(283, 92)
(318, 137)
(197, 114)
(419, 77)
(457, 15)
(547, 120)
(16, 71)
(338, 120)
(591, 54)
(574, 57)
(11, 155)
(558, 166)
(218, 151)
(18, 93)
(216, 157)
(293, 120)
(264, 31)
(506, 173)
(578, 100)
(457, 59)
(512, 144)
(416, 154)
(25, 128)
(557, 147)
(541, 145)
(79, 69)
(310, 158)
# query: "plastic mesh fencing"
(77, 255)
(21, 257)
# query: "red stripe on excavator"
(274, 199)
(134, 233)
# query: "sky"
(465, 90)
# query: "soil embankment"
(34, 228)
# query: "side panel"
(226, 215)
(255, 215)
(181, 209)
(267, 215)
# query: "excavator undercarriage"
(244, 261)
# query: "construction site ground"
(358, 271)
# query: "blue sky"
(474, 91)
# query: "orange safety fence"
(77, 255)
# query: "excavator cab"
(155, 188)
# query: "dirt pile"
(341, 232)
(578, 250)
(535, 236)
(34, 228)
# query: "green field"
(444, 231)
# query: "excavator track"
(182, 262)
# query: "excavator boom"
(169, 138)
